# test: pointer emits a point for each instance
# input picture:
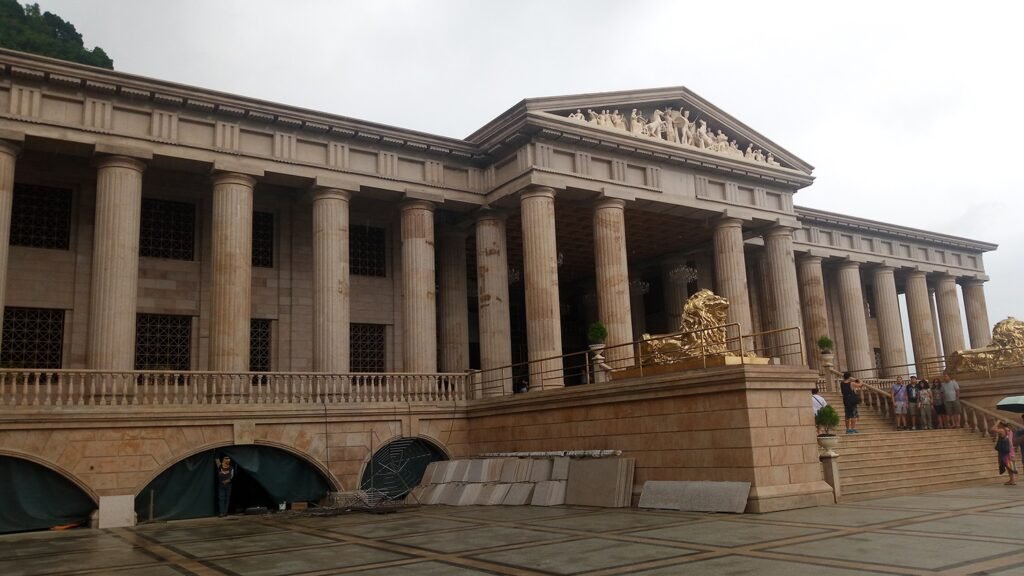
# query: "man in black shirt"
(849, 388)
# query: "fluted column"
(8, 159)
(331, 288)
(612, 277)
(493, 306)
(950, 324)
(935, 322)
(855, 327)
(977, 313)
(231, 272)
(419, 302)
(453, 305)
(890, 327)
(540, 272)
(784, 295)
(922, 334)
(115, 264)
(731, 272)
(812, 302)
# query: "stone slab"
(469, 494)
(548, 493)
(540, 470)
(116, 511)
(602, 482)
(560, 469)
(714, 496)
(461, 470)
(518, 494)
(476, 471)
(498, 495)
(523, 471)
(451, 495)
(492, 470)
(509, 469)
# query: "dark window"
(259, 345)
(366, 251)
(366, 347)
(263, 239)
(163, 342)
(33, 338)
(168, 229)
(869, 300)
(41, 217)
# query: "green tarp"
(188, 489)
(33, 497)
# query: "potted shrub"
(825, 346)
(596, 335)
(826, 420)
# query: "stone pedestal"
(492, 292)
(977, 313)
(830, 470)
(890, 327)
(115, 264)
(948, 305)
(8, 159)
(812, 302)
(331, 287)
(540, 274)
(419, 302)
(731, 271)
(453, 306)
(922, 335)
(783, 292)
(855, 328)
(612, 278)
(231, 272)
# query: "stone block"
(116, 511)
(451, 494)
(523, 471)
(432, 469)
(459, 471)
(560, 469)
(549, 493)
(492, 470)
(602, 482)
(497, 495)
(540, 470)
(661, 494)
(469, 494)
(518, 494)
(475, 473)
(714, 496)
(509, 470)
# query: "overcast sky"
(910, 112)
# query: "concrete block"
(116, 511)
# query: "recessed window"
(41, 217)
(260, 345)
(33, 338)
(366, 347)
(168, 229)
(263, 239)
(163, 342)
(367, 251)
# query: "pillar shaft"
(331, 287)
(977, 313)
(676, 292)
(419, 302)
(731, 272)
(453, 306)
(231, 272)
(493, 305)
(540, 272)
(935, 322)
(8, 159)
(890, 327)
(612, 277)
(950, 323)
(115, 264)
(812, 302)
(855, 328)
(783, 294)
(922, 334)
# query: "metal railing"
(167, 388)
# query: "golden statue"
(702, 332)
(1006, 350)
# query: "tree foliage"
(25, 28)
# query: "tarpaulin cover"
(188, 489)
(33, 497)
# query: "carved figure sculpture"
(655, 127)
(577, 115)
(618, 121)
(1006, 350)
(702, 332)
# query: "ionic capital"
(117, 161)
(232, 179)
(537, 191)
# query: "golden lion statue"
(703, 333)
(1006, 350)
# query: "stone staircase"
(881, 461)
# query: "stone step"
(865, 492)
(853, 460)
(881, 442)
(916, 478)
(903, 472)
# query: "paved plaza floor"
(976, 530)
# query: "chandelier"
(638, 286)
(683, 273)
(514, 275)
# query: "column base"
(765, 499)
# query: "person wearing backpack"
(1004, 450)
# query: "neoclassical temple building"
(150, 226)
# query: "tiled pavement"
(966, 531)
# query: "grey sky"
(908, 110)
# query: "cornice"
(815, 216)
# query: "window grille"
(263, 239)
(33, 338)
(366, 348)
(259, 345)
(163, 342)
(41, 217)
(367, 251)
(168, 229)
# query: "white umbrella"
(1012, 404)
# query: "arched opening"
(34, 497)
(264, 476)
(398, 466)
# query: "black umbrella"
(1012, 404)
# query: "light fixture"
(683, 273)
(639, 286)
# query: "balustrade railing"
(141, 388)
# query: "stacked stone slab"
(533, 481)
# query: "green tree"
(25, 28)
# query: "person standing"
(925, 401)
(913, 404)
(940, 404)
(850, 387)
(899, 403)
(225, 476)
(1004, 448)
(951, 397)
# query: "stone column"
(493, 306)
(8, 159)
(855, 327)
(812, 302)
(419, 302)
(922, 334)
(676, 292)
(950, 324)
(331, 288)
(731, 273)
(890, 326)
(540, 273)
(637, 310)
(783, 292)
(115, 264)
(977, 313)
(935, 322)
(231, 272)
(453, 305)
(612, 278)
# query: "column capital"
(323, 193)
(883, 269)
(536, 191)
(10, 148)
(605, 202)
(848, 264)
(971, 281)
(728, 222)
(809, 258)
(118, 161)
(778, 230)
(945, 278)
(488, 213)
(413, 204)
(220, 178)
